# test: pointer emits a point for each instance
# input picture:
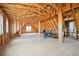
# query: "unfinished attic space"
(39, 29)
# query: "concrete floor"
(35, 45)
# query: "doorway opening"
(28, 28)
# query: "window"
(28, 28)
(1, 24)
(71, 26)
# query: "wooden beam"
(52, 25)
(54, 6)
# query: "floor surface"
(34, 44)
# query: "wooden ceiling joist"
(37, 12)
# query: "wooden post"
(16, 29)
(76, 16)
(19, 27)
(77, 22)
(11, 28)
(0, 40)
(4, 24)
(4, 30)
(60, 27)
(39, 27)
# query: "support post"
(19, 27)
(39, 27)
(4, 30)
(76, 16)
(60, 27)
(11, 28)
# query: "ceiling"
(32, 11)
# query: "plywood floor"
(34, 44)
